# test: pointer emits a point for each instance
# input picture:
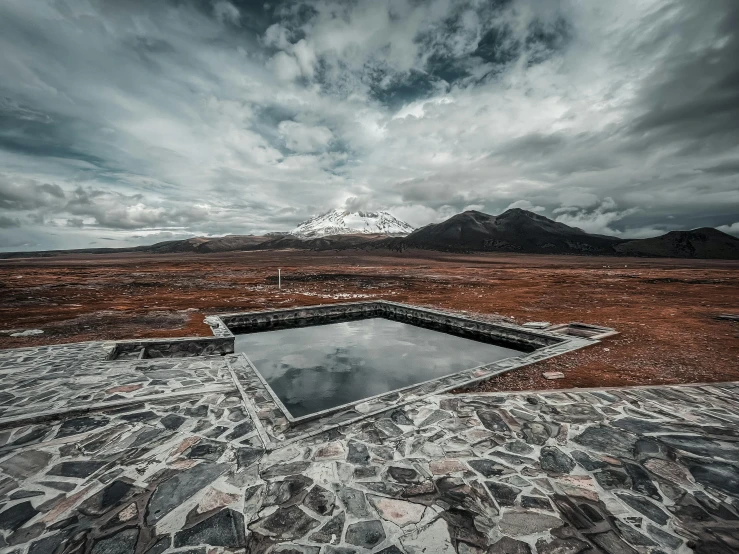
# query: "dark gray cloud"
(126, 122)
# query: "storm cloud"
(123, 122)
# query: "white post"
(279, 278)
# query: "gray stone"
(645, 507)
(60, 485)
(435, 417)
(48, 544)
(136, 417)
(403, 474)
(206, 450)
(160, 546)
(507, 545)
(522, 522)
(567, 545)
(613, 442)
(331, 451)
(290, 490)
(295, 549)
(504, 495)
(320, 500)
(385, 487)
(246, 456)
(76, 469)
(663, 537)
(724, 477)
(536, 433)
(573, 413)
(536, 502)
(388, 428)
(280, 470)
(587, 461)
(123, 542)
(612, 479)
(366, 534)
(17, 515)
(552, 459)
(487, 468)
(399, 512)
(24, 464)
(641, 482)
(633, 536)
(467, 527)
(172, 421)
(493, 421)
(114, 494)
(392, 549)
(518, 447)
(400, 418)
(702, 446)
(331, 532)
(354, 502)
(174, 491)
(358, 453)
(224, 528)
(240, 430)
(648, 447)
(285, 524)
(436, 534)
(80, 425)
(612, 543)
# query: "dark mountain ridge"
(514, 230)
(703, 243)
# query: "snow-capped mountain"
(342, 222)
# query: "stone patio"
(178, 455)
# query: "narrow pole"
(279, 278)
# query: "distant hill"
(514, 230)
(229, 243)
(704, 243)
(343, 222)
(206, 244)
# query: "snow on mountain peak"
(343, 222)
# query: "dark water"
(319, 367)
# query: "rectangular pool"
(312, 368)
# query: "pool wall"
(278, 424)
(536, 345)
(519, 337)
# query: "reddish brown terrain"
(664, 309)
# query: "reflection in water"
(320, 367)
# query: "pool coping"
(283, 428)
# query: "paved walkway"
(165, 456)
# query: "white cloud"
(227, 12)
(389, 102)
(732, 229)
(597, 220)
(304, 138)
(526, 205)
(285, 66)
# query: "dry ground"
(664, 309)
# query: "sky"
(127, 122)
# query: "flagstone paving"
(172, 456)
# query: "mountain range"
(514, 230)
(343, 222)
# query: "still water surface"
(319, 367)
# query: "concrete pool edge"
(282, 428)
(277, 422)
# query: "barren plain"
(665, 310)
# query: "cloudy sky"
(131, 121)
